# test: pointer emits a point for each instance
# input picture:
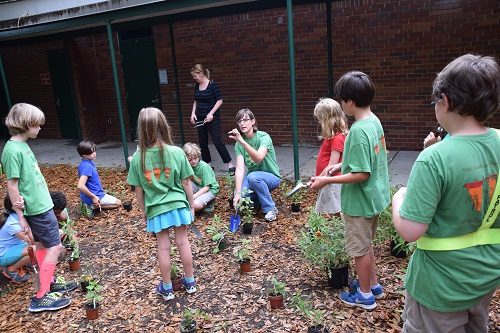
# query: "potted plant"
(229, 184)
(175, 276)
(217, 230)
(93, 298)
(276, 294)
(242, 253)
(85, 280)
(74, 260)
(322, 244)
(188, 321)
(295, 200)
(245, 208)
(315, 316)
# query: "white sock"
(365, 295)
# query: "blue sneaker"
(354, 298)
(378, 292)
(189, 286)
(167, 294)
(49, 302)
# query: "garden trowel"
(300, 185)
(234, 222)
(35, 277)
(196, 231)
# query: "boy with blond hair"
(203, 182)
(365, 185)
(25, 179)
(451, 206)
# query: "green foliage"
(242, 252)
(93, 294)
(277, 288)
(322, 242)
(315, 316)
(217, 230)
(298, 196)
(189, 316)
(174, 270)
(245, 207)
(68, 229)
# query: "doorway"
(62, 84)
(140, 73)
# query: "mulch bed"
(116, 249)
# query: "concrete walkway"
(110, 154)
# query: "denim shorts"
(12, 254)
(45, 228)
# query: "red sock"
(40, 256)
(46, 273)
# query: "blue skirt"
(174, 218)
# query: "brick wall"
(400, 44)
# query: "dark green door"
(4, 109)
(140, 73)
(64, 94)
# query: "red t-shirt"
(325, 151)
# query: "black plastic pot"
(397, 252)
(247, 228)
(339, 278)
(295, 207)
(127, 206)
(223, 244)
(317, 329)
(183, 328)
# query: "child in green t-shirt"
(454, 272)
(365, 185)
(203, 182)
(25, 179)
(161, 175)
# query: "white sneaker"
(271, 215)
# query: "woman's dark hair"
(86, 147)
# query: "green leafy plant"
(277, 288)
(297, 197)
(75, 253)
(322, 242)
(217, 230)
(93, 294)
(242, 252)
(245, 207)
(315, 316)
(189, 316)
(174, 271)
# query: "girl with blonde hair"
(334, 130)
(160, 173)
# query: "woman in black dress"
(206, 111)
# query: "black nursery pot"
(295, 207)
(188, 328)
(247, 228)
(339, 278)
(223, 244)
(317, 329)
(399, 252)
(127, 206)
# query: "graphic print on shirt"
(476, 190)
(381, 144)
(157, 173)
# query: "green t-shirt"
(268, 164)
(163, 191)
(365, 151)
(19, 162)
(204, 176)
(450, 188)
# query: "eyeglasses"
(243, 120)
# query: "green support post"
(329, 46)
(293, 95)
(117, 92)
(176, 78)
(4, 82)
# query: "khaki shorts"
(359, 233)
(420, 319)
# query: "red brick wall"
(400, 44)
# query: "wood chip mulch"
(116, 248)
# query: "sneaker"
(49, 302)
(271, 215)
(354, 298)
(18, 276)
(167, 294)
(190, 287)
(378, 292)
(62, 286)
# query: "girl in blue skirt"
(160, 173)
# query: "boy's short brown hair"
(86, 147)
(357, 87)
(472, 85)
(22, 116)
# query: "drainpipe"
(4, 82)
(117, 92)
(329, 46)
(176, 77)
(293, 97)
